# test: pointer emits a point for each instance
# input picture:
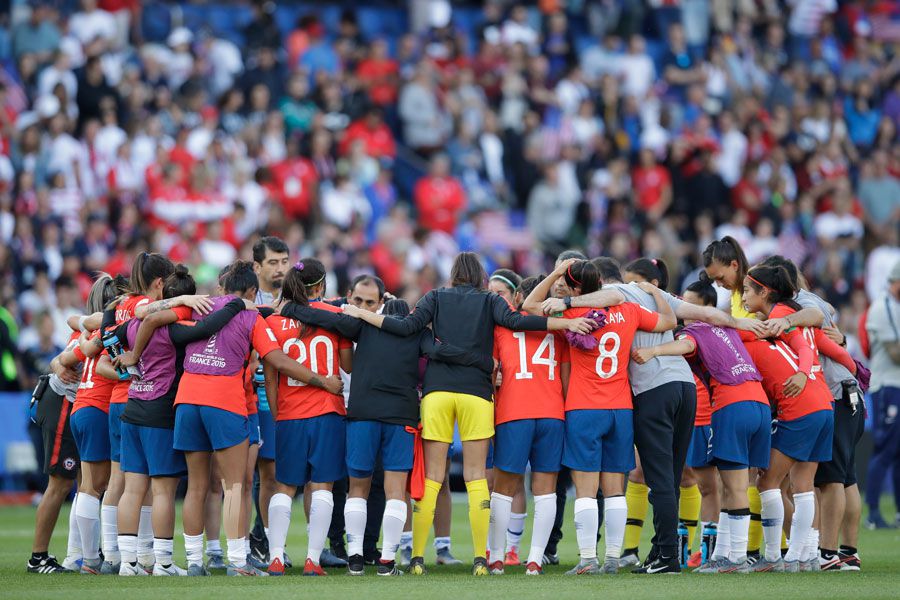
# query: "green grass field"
(880, 577)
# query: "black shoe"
(259, 548)
(660, 565)
(388, 568)
(372, 556)
(340, 551)
(753, 557)
(356, 565)
(45, 566)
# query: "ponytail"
(725, 251)
(583, 274)
(147, 268)
(650, 269)
(775, 280)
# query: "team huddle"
(734, 411)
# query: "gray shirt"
(834, 372)
(662, 369)
(65, 389)
(883, 326)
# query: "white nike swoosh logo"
(657, 570)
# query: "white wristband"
(81, 321)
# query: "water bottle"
(708, 543)
(114, 348)
(684, 548)
(259, 382)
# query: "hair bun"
(181, 270)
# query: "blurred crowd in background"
(386, 138)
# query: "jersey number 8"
(608, 356)
(312, 355)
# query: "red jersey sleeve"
(647, 319)
(687, 336)
(78, 353)
(828, 348)
(184, 312)
(263, 339)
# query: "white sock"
(739, 528)
(392, 528)
(193, 549)
(247, 544)
(236, 554)
(804, 512)
(87, 513)
(544, 515)
(812, 545)
(442, 542)
(615, 515)
(772, 514)
(73, 544)
(213, 546)
(145, 536)
(320, 510)
(587, 522)
(723, 537)
(355, 524)
(500, 518)
(162, 550)
(406, 540)
(128, 548)
(109, 528)
(279, 522)
(515, 529)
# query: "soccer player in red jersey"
(599, 434)
(529, 416)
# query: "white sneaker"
(126, 570)
(172, 570)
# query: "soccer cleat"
(533, 568)
(72, 563)
(110, 568)
(256, 563)
(480, 567)
(405, 555)
(197, 570)
(288, 563)
(259, 547)
(371, 557)
(45, 566)
(328, 558)
(850, 562)
(91, 566)
(356, 565)
(276, 568)
(753, 556)
(416, 566)
(764, 565)
(659, 565)
(610, 566)
(215, 561)
(695, 560)
(792, 566)
(131, 570)
(172, 570)
(876, 521)
(550, 558)
(727, 566)
(712, 566)
(246, 571)
(445, 558)
(588, 566)
(629, 558)
(311, 569)
(810, 566)
(512, 557)
(832, 563)
(497, 568)
(388, 568)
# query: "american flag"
(886, 28)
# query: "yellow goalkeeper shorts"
(440, 410)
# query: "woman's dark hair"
(788, 265)
(508, 278)
(147, 268)
(467, 270)
(650, 269)
(704, 288)
(778, 281)
(223, 273)
(240, 278)
(179, 283)
(528, 284)
(123, 286)
(311, 272)
(609, 269)
(724, 251)
(584, 275)
(395, 307)
(567, 254)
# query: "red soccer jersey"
(531, 386)
(776, 362)
(797, 335)
(704, 404)
(318, 349)
(125, 312)
(95, 389)
(250, 388)
(226, 392)
(600, 376)
(724, 395)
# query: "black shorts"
(848, 429)
(60, 452)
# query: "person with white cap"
(883, 327)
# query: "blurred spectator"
(439, 198)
